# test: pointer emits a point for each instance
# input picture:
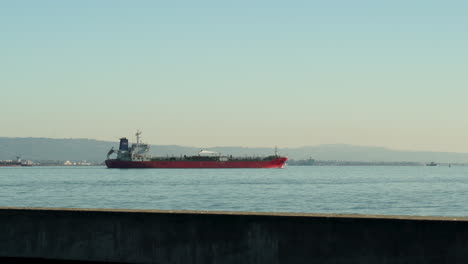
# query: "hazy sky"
(247, 73)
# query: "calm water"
(437, 191)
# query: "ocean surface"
(428, 191)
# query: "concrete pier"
(152, 236)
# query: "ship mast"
(137, 134)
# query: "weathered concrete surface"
(150, 236)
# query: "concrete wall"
(143, 236)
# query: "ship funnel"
(123, 144)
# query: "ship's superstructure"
(137, 152)
(136, 156)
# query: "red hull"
(183, 164)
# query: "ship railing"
(208, 158)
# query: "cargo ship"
(137, 157)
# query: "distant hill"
(53, 149)
(344, 152)
(95, 151)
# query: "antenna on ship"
(276, 150)
(137, 134)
